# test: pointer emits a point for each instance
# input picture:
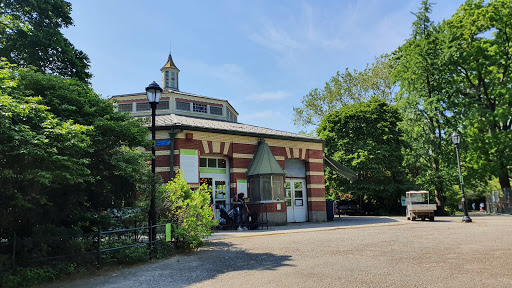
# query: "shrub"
(190, 210)
(132, 255)
(24, 277)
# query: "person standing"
(482, 205)
(473, 205)
(238, 211)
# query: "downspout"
(172, 137)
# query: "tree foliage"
(65, 150)
(422, 73)
(189, 209)
(479, 47)
(366, 138)
(344, 89)
(30, 35)
(37, 151)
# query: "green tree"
(37, 152)
(30, 35)
(366, 138)
(421, 71)
(344, 89)
(111, 170)
(479, 47)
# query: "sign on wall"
(241, 187)
(163, 142)
(189, 164)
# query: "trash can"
(329, 208)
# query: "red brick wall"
(243, 163)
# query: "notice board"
(241, 187)
(189, 164)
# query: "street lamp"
(153, 92)
(456, 141)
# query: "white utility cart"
(418, 205)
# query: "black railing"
(84, 249)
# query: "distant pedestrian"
(482, 207)
(473, 205)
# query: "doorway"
(214, 173)
(296, 198)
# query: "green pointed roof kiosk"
(266, 181)
(263, 162)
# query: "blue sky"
(262, 56)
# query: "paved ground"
(349, 252)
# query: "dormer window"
(124, 107)
(201, 108)
(163, 105)
(142, 106)
(214, 110)
(184, 106)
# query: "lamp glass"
(158, 94)
(153, 92)
(455, 138)
(151, 95)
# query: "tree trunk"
(505, 187)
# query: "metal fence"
(82, 249)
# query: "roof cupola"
(170, 75)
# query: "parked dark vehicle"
(347, 208)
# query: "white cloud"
(260, 116)
(292, 39)
(274, 38)
(231, 77)
(271, 95)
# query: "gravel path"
(349, 252)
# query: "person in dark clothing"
(239, 210)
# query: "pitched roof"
(263, 162)
(210, 125)
(170, 63)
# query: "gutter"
(231, 132)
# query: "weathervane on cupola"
(170, 75)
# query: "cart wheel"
(413, 218)
(431, 218)
(408, 218)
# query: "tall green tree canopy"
(479, 47)
(366, 138)
(37, 151)
(66, 147)
(30, 35)
(344, 89)
(421, 70)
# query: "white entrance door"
(296, 206)
(214, 173)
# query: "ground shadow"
(215, 259)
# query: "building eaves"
(164, 122)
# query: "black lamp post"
(456, 141)
(153, 91)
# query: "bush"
(190, 210)
(132, 255)
(24, 277)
